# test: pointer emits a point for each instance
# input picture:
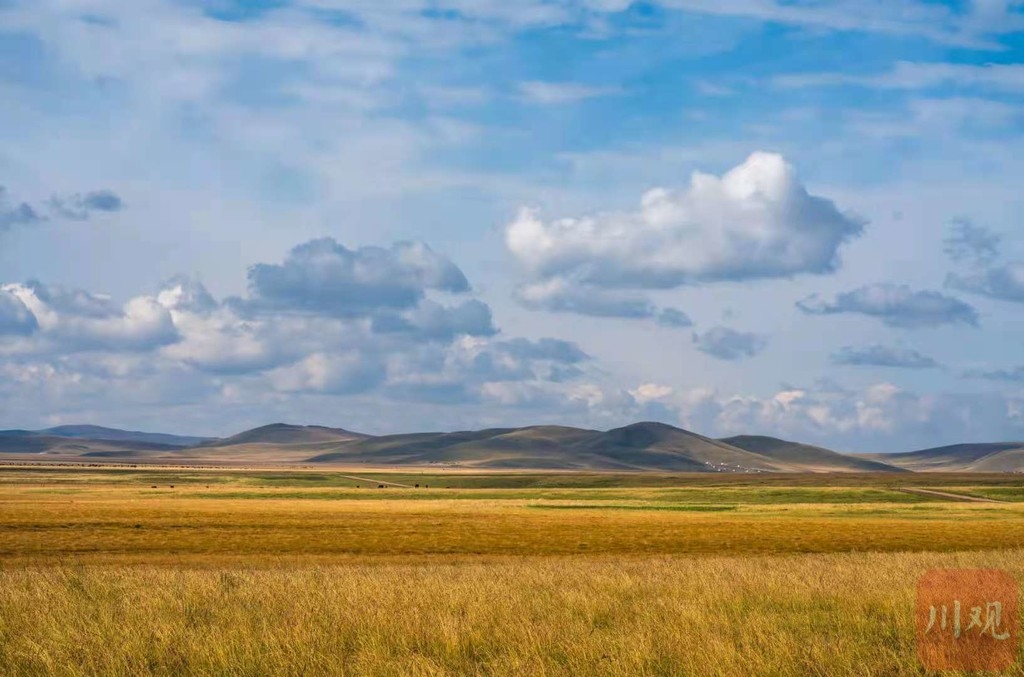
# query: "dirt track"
(955, 497)
(370, 481)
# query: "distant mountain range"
(637, 447)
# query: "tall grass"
(838, 614)
(104, 577)
(114, 527)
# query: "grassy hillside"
(285, 434)
(991, 457)
(807, 458)
(95, 432)
(641, 446)
(50, 446)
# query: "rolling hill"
(981, 457)
(285, 434)
(807, 457)
(645, 446)
(95, 432)
(274, 443)
(641, 446)
(26, 442)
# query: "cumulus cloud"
(341, 373)
(184, 293)
(403, 349)
(306, 318)
(756, 221)
(879, 418)
(882, 356)
(323, 276)
(1004, 282)
(75, 320)
(218, 341)
(896, 306)
(972, 244)
(729, 344)
(475, 362)
(435, 322)
(553, 402)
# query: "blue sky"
(790, 218)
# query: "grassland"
(108, 571)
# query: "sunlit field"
(128, 571)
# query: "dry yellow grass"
(99, 575)
(783, 615)
(118, 526)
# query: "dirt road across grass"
(379, 482)
(951, 496)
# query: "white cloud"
(879, 418)
(68, 320)
(342, 373)
(220, 342)
(325, 277)
(181, 342)
(651, 392)
(756, 221)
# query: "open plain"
(121, 570)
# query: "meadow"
(231, 571)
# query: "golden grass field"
(111, 571)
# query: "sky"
(786, 217)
